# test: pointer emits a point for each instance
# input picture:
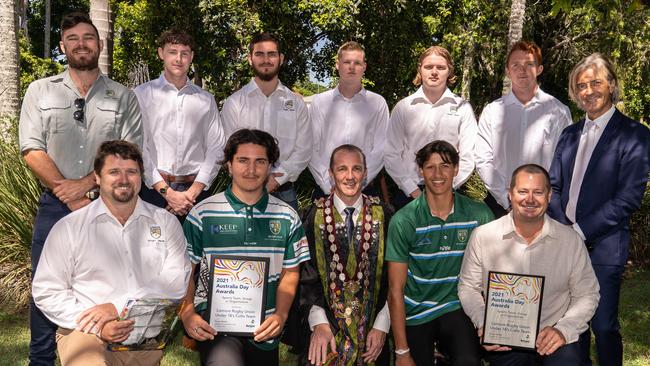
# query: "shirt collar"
(602, 121)
(341, 206)
(67, 80)
(98, 208)
(238, 205)
(508, 228)
(360, 93)
(448, 95)
(162, 80)
(252, 87)
(426, 210)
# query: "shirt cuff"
(204, 178)
(316, 316)
(283, 178)
(410, 186)
(576, 227)
(382, 320)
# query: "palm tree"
(9, 69)
(102, 17)
(515, 29)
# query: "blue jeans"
(566, 355)
(42, 345)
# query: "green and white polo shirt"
(433, 249)
(222, 224)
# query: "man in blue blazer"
(598, 176)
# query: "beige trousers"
(80, 349)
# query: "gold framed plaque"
(513, 304)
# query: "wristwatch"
(92, 195)
(163, 190)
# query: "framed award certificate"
(513, 304)
(237, 296)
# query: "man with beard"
(183, 134)
(97, 258)
(63, 121)
(343, 286)
(265, 104)
(526, 241)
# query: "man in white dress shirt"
(521, 127)
(183, 137)
(348, 114)
(433, 112)
(265, 104)
(96, 258)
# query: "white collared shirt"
(182, 131)
(336, 120)
(557, 253)
(511, 134)
(283, 114)
(600, 124)
(89, 259)
(317, 314)
(415, 122)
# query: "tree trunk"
(21, 11)
(9, 70)
(468, 65)
(102, 17)
(47, 29)
(515, 30)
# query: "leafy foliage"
(33, 67)
(19, 191)
(36, 22)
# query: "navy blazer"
(612, 188)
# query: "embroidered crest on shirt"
(275, 226)
(110, 93)
(462, 235)
(155, 231)
(288, 105)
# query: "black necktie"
(349, 224)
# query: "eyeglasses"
(594, 84)
(78, 115)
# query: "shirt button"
(81, 147)
(81, 161)
(250, 229)
(445, 236)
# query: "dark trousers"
(604, 324)
(496, 208)
(42, 345)
(235, 351)
(566, 355)
(152, 196)
(287, 193)
(455, 335)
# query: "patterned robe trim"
(351, 298)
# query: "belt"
(285, 187)
(177, 178)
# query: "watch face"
(163, 190)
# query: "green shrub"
(19, 192)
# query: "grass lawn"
(634, 313)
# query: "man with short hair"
(266, 104)
(245, 221)
(183, 134)
(97, 258)
(426, 243)
(433, 112)
(519, 128)
(526, 241)
(64, 119)
(347, 114)
(598, 175)
(343, 286)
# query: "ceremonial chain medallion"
(343, 283)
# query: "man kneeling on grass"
(96, 258)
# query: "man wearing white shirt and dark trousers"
(348, 114)
(183, 136)
(266, 104)
(433, 112)
(343, 286)
(519, 128)
(98, 257)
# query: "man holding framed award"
(246, 246)
(343, 286)
(540, 287)
(99, 258)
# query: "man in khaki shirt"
(526, 241)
